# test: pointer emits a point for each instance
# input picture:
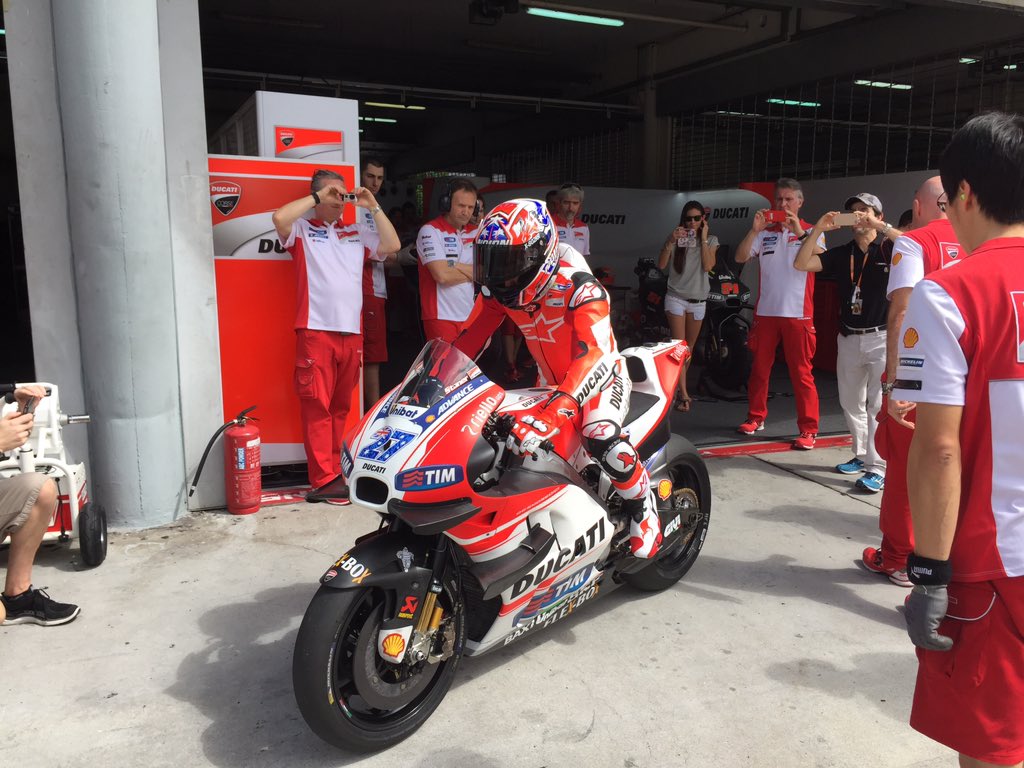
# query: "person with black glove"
(961, 361)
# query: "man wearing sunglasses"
(931, 245)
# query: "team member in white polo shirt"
(375, 294)
(445, 249)
(785, 312)
(571, 230)
(961, 361)
(329, 258)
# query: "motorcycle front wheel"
(348, 695)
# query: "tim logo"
(286, 137)
(428, 478)
(1018, 309)
(225, 196)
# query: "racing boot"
(644, 525)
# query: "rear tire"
(691, 498)
(729, 359)
(335, 655)
(92, 534)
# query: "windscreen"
(438, 370)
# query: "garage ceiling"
(693, 52)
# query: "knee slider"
(620, 460)
(600, 436)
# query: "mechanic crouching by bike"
(564, 316)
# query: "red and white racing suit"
(570, 336)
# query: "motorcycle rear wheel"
(336, 665)
(729, 360)
(691, 495)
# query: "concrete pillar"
(134, 185)
(652, 138)
(39, 151)
(188, 197)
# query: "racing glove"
(535, 425)
(926, 605)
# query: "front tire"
(336, 667)
(691, 502)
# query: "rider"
(563, 314)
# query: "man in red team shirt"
(961, 359)
(931, 245)
(445, 251)
(785, 312)
(329, 258)
(375, 293)
(571, 229)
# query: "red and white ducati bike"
(477, 547)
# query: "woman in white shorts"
(689, 254)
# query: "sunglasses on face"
(942, 202)
(692, 218)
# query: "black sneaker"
(37, 607)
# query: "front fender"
(373, 562)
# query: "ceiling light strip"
(582, 18)
(639, 16)
(884, 84)
(793, 103)
(389, 105)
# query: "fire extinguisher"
(242, 482)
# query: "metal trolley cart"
(76, 516)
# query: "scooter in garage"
(76, 516)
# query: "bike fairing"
(541, 495)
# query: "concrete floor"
(775, 650)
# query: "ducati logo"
(287, 138)
(225, 196)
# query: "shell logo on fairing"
(393, 645)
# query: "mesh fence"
(878, 121)
(600, 159)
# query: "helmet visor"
(501, 266)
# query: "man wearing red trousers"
(785, 312)
(329, 258)
(930, 246)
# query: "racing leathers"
(569, 333)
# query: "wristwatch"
(375, 210)
(888, 387)
(885, 231)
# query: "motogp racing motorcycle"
(478, 547)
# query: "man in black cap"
(860, 268)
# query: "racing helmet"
(515, 252)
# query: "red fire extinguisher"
(242, 482)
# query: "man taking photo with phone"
(860, 268)
(785, 310)
(329, 256)
(27, 505)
